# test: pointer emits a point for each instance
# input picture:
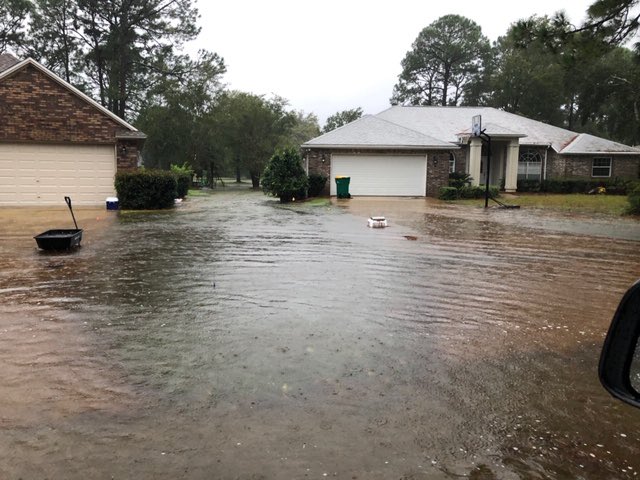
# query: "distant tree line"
(583, 78)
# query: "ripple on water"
(232, 320)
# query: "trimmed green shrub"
(146, 189)
(183, 182)
(183, 174)
(284, 176)
(448, 193)
(317, 181)
(477, 191)
(613, 186)
(529, 185)
(634, 201)
(466, 192)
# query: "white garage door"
(45, 174)
(382, 175)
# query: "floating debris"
(377, 222)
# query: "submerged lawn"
(601, 204)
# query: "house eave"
(599, 153)
(379, 147)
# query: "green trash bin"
(342, 187)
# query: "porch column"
(511, 171)
(475, 152)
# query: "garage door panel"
(44, 174)
(381, 175)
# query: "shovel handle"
(68, 200)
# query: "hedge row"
(146, 189)
(634, 201)
(613, 186)
(316, 183)
(467, 191)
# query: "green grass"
(318, 202)
(614, 205)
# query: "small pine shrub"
(284, 177)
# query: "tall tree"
(178, 118)
(304, 128)
(341, 118)
(525, 78)
(254, 127)
(443, 60)
(53, 39)
(129, 45)
(614, 20)
(13, 14)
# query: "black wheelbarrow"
(61, 239)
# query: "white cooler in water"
(112, 203)
(377, 222)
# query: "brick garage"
(56, 141)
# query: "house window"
(530, 165)
(452, 163)
(601, 167)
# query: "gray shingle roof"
(374, 132)
(585, 143)
(448, 122)
(7, 61)
(435, 127)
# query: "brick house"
(410, 151)
(56, 141)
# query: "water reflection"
(240, 338)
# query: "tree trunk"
(445, 85)
(255, 180)
(238, 178)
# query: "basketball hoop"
(476, 126)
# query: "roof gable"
(590, 144)
(31, 62)
(374, 132)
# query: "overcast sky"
(331, 55)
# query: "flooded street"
(237, 338)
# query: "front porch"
(504, 161)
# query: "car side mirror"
(619, 368)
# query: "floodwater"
(237, 338)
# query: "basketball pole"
(484, 136)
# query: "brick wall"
(579, 166)
(127, 152)
(437, 172)
(36, 109)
